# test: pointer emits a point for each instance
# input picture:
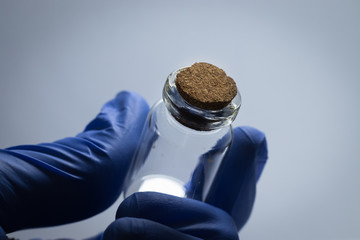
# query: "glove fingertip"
(127, 207)
(131, 99)
(259, 145)
(125, 107)
(234, 187)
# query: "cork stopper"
(206, 86)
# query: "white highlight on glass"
(162, 184)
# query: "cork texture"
(206, 86)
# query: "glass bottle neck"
(194, 117)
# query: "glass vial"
(181, 146)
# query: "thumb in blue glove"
(150, 216)
(73, 178)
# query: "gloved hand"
(73, 178)
(150, 216)
(157, 216)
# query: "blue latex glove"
(150, 216)
(73, 178)
(156, 216)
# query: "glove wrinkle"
(101, 122)
(42, 164)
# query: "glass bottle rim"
(195, 117)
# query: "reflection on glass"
(162, 184)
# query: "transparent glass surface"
(181, 147)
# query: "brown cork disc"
(206, 86)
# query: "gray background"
(296, 64)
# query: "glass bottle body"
(181, 147)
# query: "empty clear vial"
(181, 147)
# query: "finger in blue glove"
(73, 178)
(235, 185)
